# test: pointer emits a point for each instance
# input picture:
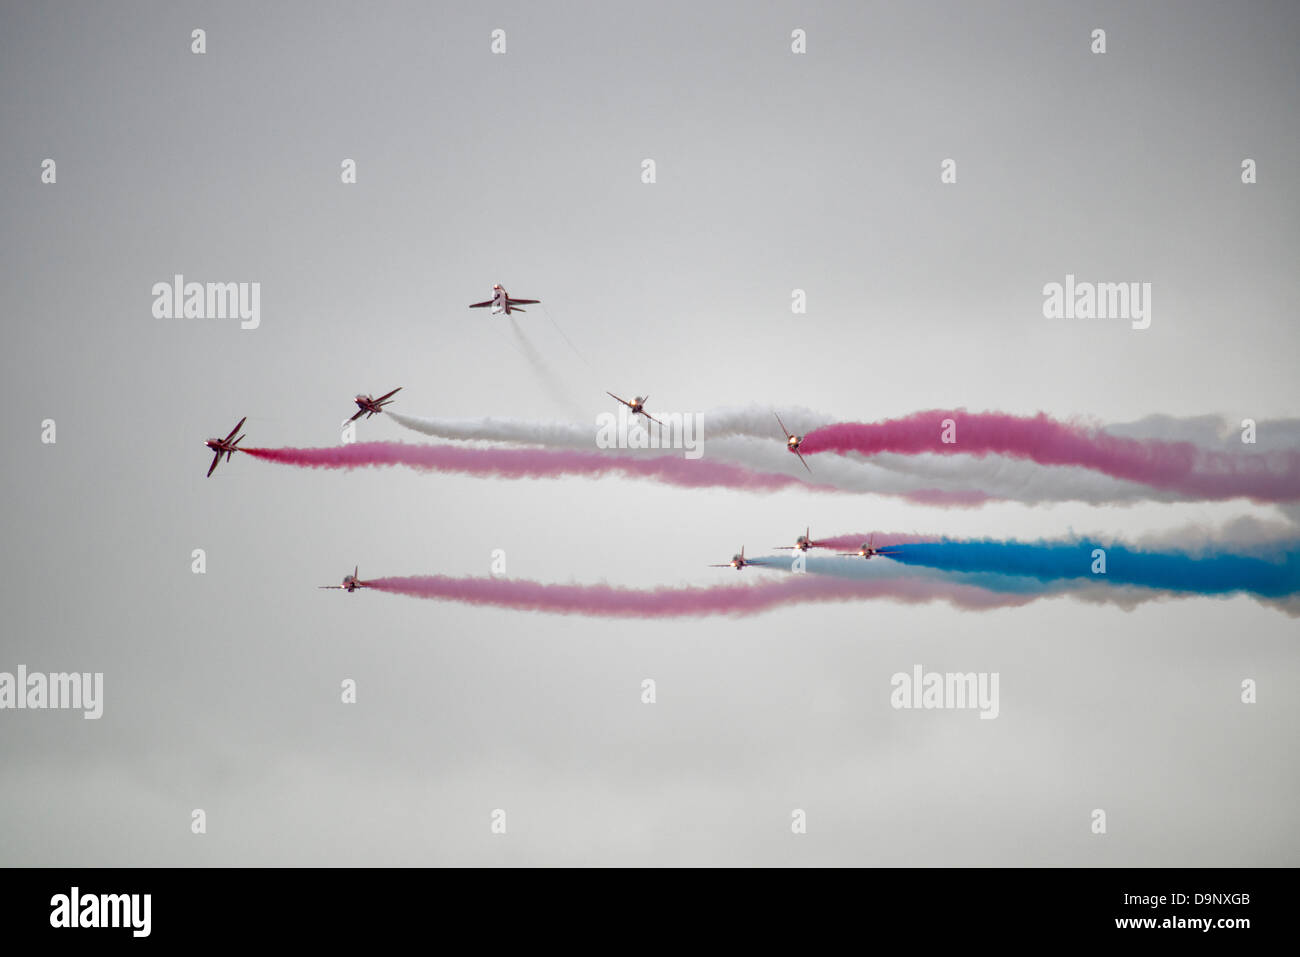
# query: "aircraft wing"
(480, 305)
(330, 586)
(728, 565)
(389, 395)
(782, 424)
(215, 459)
(624, 401)
(651, 418)
(360, 413)
(236, 428)
(523, 302)
(805, 464)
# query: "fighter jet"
(868, 550)
(792, 442)
(500, 302)
(350, 582)
(226, 446)
(368, 406)
(637, 405)
(802, 543)
(739, 561)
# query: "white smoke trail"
(574, 349)
(751, 437)
(726, 438)
(1211, 432)
(754, 422)
(551, 382)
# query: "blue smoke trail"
(883, 569)
(1271, 574)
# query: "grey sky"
(775, 172)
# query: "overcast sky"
(775, 172)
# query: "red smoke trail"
(553, 463)
(1177, 466)
(608, 601)
(535, 463)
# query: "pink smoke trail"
(535, 463)
(608, 601)
(1177, 466)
